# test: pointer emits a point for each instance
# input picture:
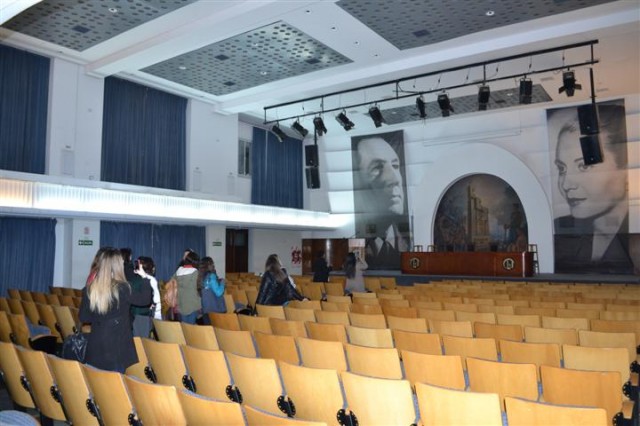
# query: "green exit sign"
(217, 244)
(85, 242)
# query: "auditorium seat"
(414, 324)
(292, 328)
(169, 331)
(299, 314)
(484, 348)
(322, 354)
(138, 369)
(531, 353)
(257, 380)
(442, 406)
(550, 335)
(367, 320)
(236, 342)
(438, 370)
(199, 336)
(111, 395)
(328, 332)
(257, 417)
(200, 410)
(166, 362)
(374, 362)
(252, 324)
(74, 388)
(332, 317)
(371, 337)
(426, 343)
(270, 311)
(451, 328)
(521, 412)
(565, 323)
(315, 392)
(279, 348)
(12, 371)
(225, 321)
(209, 371)
(599, 339)
(155, 404)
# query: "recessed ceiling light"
(308, 11)
(356, 42)
(263, 73)
(182, 67)
(490, 13)
(113, 9)
(334, 28)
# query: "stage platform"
(405, 279)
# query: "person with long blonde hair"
(106, 302)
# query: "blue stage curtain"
(143, 136)
(27, 253)
(165, 244)
(24, 99)
(276, 170)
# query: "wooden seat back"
(209, 371)
(322, 354)
(156, 404)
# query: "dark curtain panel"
(27, 253)
(276, 170)
(165, 244)
(24, 98)
(135, 236)
(143, 136)
(170, 242)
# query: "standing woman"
(105, 305)
(211, 289)
(276, 287)
(353, 267)
(146, 268)
(189, 304)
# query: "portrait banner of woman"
(380, 201)
(590, 201)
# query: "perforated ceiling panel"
(81, 24)
(266, 54)
(462, 105)
(413, 23)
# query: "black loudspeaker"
(591, 152)
(588, 118)
(313, 177)
(311, 155)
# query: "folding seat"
(305, 304)
(21, 335)
(200, 410)
(111, 395)
(361, 308)
(333, 317)
(374, 362)
(426, 343)
(209, 371)
(334, 289)
(270, 311)
(249, 323)
(442, 406)
(226, 321)
(531, 353)
(521, 412)
(451, 328)
(200, 336)
(327, 332)
(371, 337)
(325, 382)
(499, 332)
(299, 314)
(598, 339)
(169, 331)
(437, 314)
(549, 335)
(279, 348)
(521, 320)
(236, 342)
(438, 370)
(322, 354)
(399, 311)
(418, 325)
(597, 359)
(5, 327)
(483, 348)
(375, 401)
(73, 391)
(65, 321)
(48, 319)
(166, 364)
(289, 327)
(11, 371)
(367, 320)
(565, 323)
(138, 369)
(31, 311)
(156, 404)
(256, 381)
(475, 317)
(503, 378)
(257, 417)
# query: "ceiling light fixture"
(376, 116)
(490, 12)
(113, 9)
(526, 90)
(484, 93)
(278, 132)
(445, 104)
(422, 106)
(300, 129)
(344, 121)
(569, 84)
(319, 126)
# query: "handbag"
(74, 347)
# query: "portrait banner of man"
(590, 202)
(380, 200)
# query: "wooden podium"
(482, 263)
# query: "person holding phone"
(353, 267)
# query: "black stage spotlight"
(484, 92)
(298, 128)
(376, 116)
(422, 106)
(569, 83)
(344, 121)
(278, 132)
(318, 124)
(445, 104)
(526, 89)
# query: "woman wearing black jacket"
(106, 302)
(276, 287)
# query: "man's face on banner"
(379, 170)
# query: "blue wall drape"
(143, 136)
(165, 244)
(276, 170)
(24, 98)
(27, 253)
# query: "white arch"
(488, 159)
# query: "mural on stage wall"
(480, 213)
(380, 198)
(590, 202)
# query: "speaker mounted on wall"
(311, 155)
(313, 177)
(591, 151)
(589, 129)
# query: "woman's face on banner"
(590, 190)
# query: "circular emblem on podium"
(414, 262)
(508, 263)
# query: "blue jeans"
(190, 318)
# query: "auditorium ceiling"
(243, 55)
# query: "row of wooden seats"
(68, 391)
(44, 298)
(441, 370)
(59, 320)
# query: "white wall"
(263, 242)
(216, 234)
